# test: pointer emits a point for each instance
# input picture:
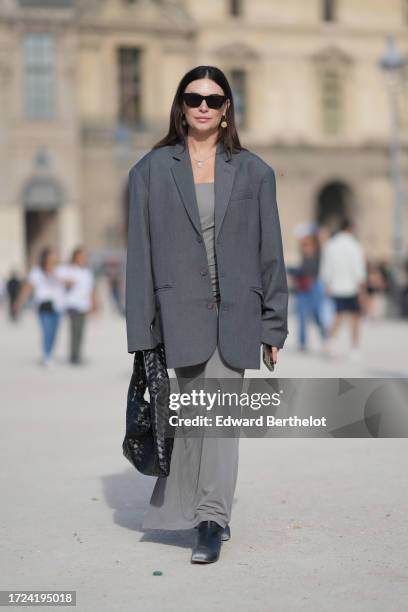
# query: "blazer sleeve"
(274, 280)
(140, 303)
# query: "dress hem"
(181, 526)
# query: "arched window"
(42, 193)
(335, 202)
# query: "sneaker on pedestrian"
(47, 362)
(330, 348)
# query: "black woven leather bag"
(147, 443)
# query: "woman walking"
(47, 288)
(309, 289)
(80, 300)
(205, 276)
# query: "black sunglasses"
(213, 101)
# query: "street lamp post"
(392, 63)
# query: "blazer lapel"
(224, 175)
(224, 181)
(183, 175)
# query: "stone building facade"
(86, 88)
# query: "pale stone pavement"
(318, 524)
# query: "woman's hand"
(274, 351)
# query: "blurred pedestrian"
(80, 300)
(343, 272)
(376, 287)
(2, 289)
(48, 291)
(327, 309)
(404, 293)
(115, 276)
(309, 289)
(13, 287)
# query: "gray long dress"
(203, 469)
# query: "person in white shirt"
(47, 289)
(80, 300)
(343, 272)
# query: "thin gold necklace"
(200, 162)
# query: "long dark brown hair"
(177, 131)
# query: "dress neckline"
(206, 183)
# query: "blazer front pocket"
(163, 286)
(258, 290)
(243, 194)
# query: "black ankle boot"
(225, 533)
(207, 547)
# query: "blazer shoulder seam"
(269, 173)
(261, 163)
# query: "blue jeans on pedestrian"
(309, 305)
(49, 326)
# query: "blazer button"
(199, 239)
(204, 272)
(210, 305)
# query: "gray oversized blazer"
(168, 288)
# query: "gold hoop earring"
(224, 122)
